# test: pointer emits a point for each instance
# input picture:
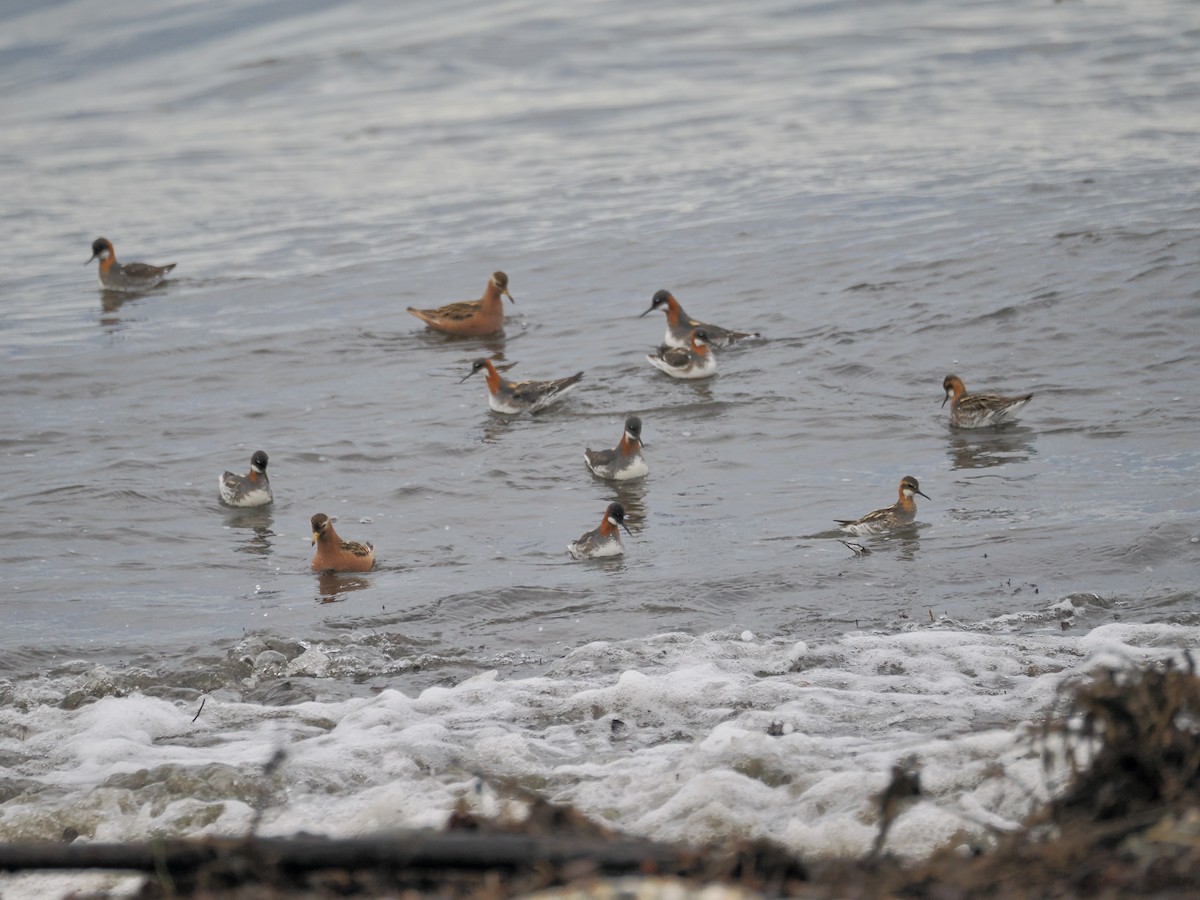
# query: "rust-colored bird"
(471, 318)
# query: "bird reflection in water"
(112, 301)
(632, 496)
(256, 522)
(494, 346)
(702, 390)
(494, 429)
(332, 586)
(907, 541)
(983, 449)
(904, 541)
(110, 307)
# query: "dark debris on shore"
(1126, 824)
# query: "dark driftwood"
(413, 851)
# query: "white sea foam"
(676, 743)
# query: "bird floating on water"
(512, 397)
(604, 540)
(692, 362)
(625, 461)
(471, 318)
(979, 410)
(680, 325)
(128, 277)
(901, 513)
(335, 555)
(251, 489)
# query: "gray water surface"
(887, 192)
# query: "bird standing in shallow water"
(680, 325)
(471, 318)
(902, 512)
(694, 361)
(625, 461)
(979, 410)
(605, 540)
(129, 277)
(335, 555)
(512, 397)
(251, 489)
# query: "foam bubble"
(674, 737)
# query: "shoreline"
(1127, 823)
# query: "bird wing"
(874, 515)
(600, 457)
(451, 312)
(363, 550)
(676, 357)
(984, 403)
(144, 270)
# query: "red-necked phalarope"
(625, 461)
(251, 489)
(979, 410)
(605, 540)
(696, 361)
(471, 318)
(335, 555)
(680, 325)
(513, 397)
(131, 277)
(903, 512)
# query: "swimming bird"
(130, 277)
(605, 540)
(513, 397)
(680, 325)
(251, 489)
(623, 462)
(979, 410)
(696, 361)
(335, 555)
(903, 512)
(471, 318)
